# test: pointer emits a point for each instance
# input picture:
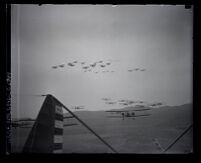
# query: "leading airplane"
(128, 113)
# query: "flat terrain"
(126, 136)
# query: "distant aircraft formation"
(88, 67)
(136, 69)
(95, 67)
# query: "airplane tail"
(46, 135)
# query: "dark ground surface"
(126, 136)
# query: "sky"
(155, 38)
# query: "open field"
(126, 136)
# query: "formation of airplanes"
(94, 66)
(88, 67)
(136, 69)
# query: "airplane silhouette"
(71, 64)
(46, 135)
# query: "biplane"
(46, 135)
(128, 113)
(78, 107)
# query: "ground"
(126, 136)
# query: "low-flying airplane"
(156, 104)
(78, 107)
(128, 113)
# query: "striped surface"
(58, 132)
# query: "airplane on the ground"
(128, 113)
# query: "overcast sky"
(155, 38)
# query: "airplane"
(128, 113)
(102, 66)
(71, 64)
(78, 107)
(62, 65)
(46, 135)
(54, 67)
(122, 103)
(140, 106)
(85, 67)
(93, 65)
(121, 100)
(110, 103)
(156, 104)
(106, 99)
